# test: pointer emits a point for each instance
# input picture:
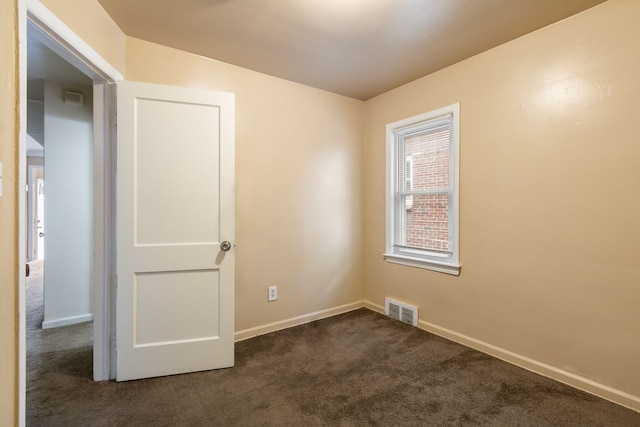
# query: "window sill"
(440, 267)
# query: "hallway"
(64, 351)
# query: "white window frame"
(431, 260)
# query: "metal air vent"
(73, 98)
(400, 311)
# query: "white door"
(175, 289)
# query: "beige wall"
(549, 202)
(298, 207)
(8, 214)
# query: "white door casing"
(175, 285)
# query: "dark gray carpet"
(356, 369)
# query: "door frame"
(38, 21)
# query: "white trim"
(295, 321)
(577, 381)
(104, 228)
(22, 160)
(65, 321)
(441, 267)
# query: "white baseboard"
(65, 321)
(295, 321)
(585, 384)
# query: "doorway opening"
(58, 289)
(39, 24)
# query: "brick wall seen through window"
(426, 223)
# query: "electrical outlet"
(273, 293)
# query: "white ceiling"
(358, 48)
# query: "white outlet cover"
(273, 293)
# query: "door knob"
(225, 246)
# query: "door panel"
(191, 302)
(189, 213)
(174, 309)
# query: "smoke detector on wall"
(73, 98)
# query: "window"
(422, 191)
